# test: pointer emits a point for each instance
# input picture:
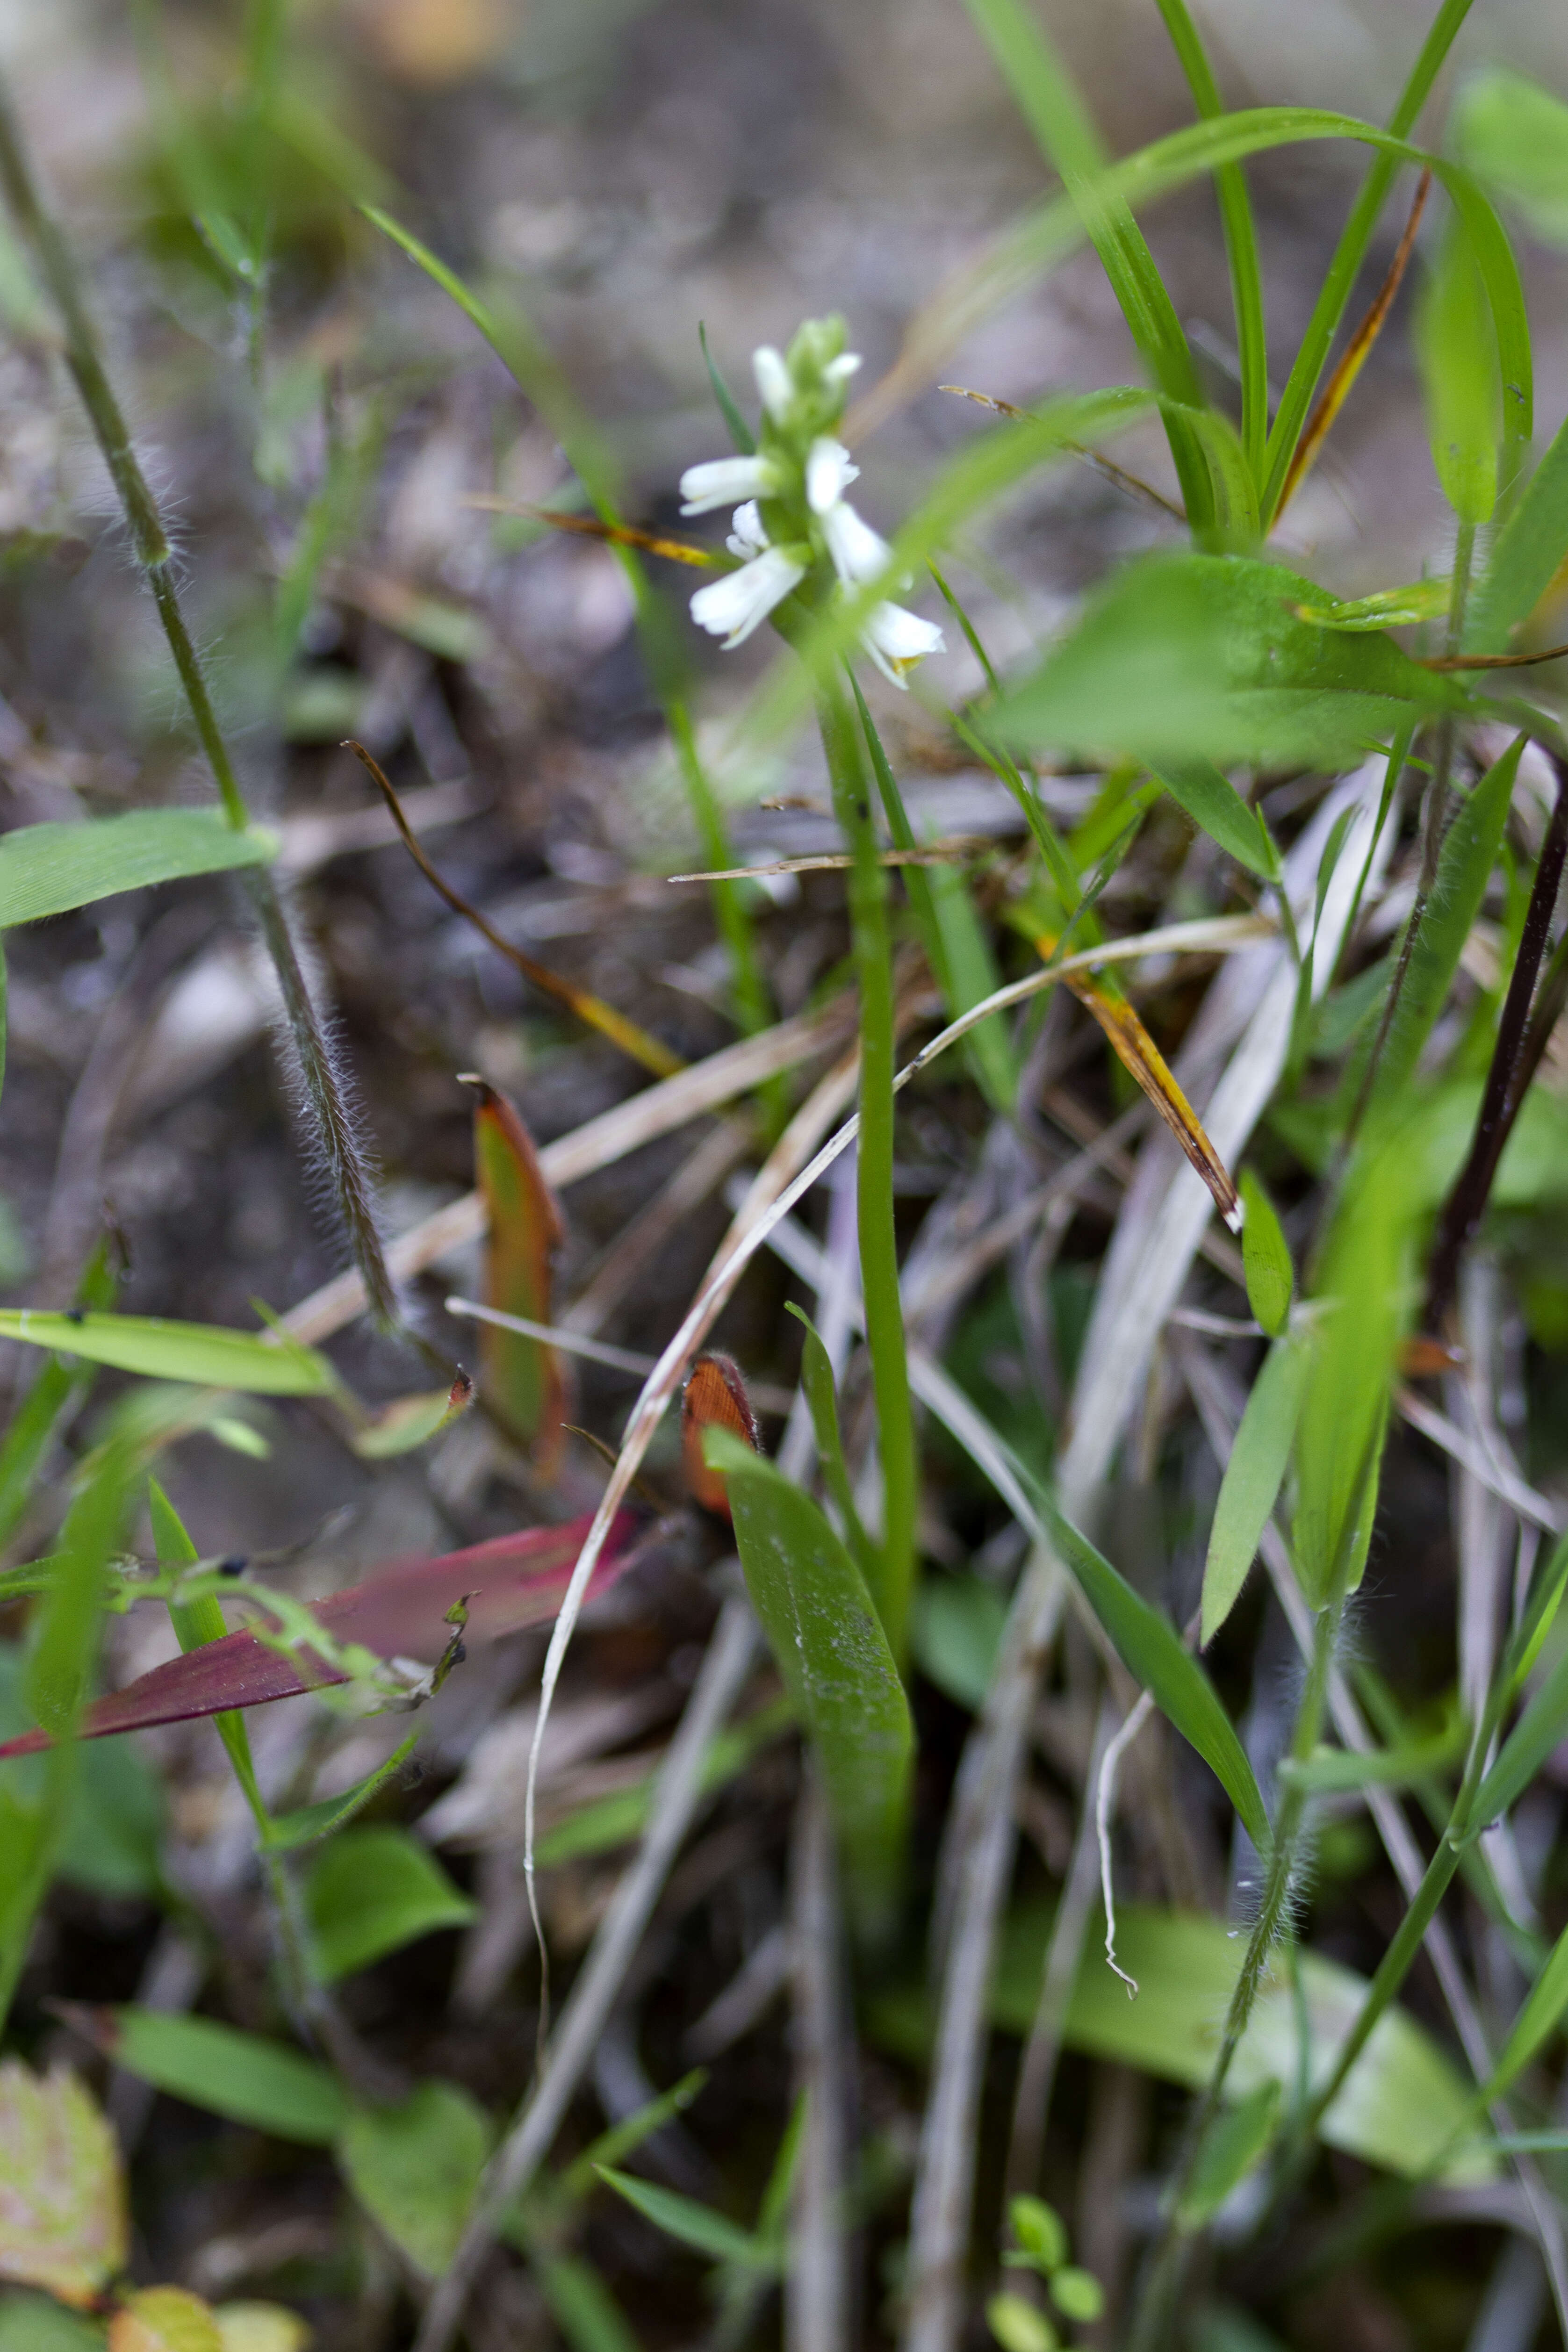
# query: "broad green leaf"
(1537, 2020)
(416, 2168)
(1152, 1652)
(1525, 555)
(1217, 809)
(201, 1352)
(63, 2223)
(1229, 2153)
(47, 869)
(1465, 865)
(1400, 2107)
(1201, 659)
(1513, 134)
(1266, 1255)
(30, 2324)
(957, 1632)
(1018, 2325)
(1541, 1729)
(523, 1380)
(1252, 1480)
(1458, 348)
(163, 2319)
(240, 2075)
(832, 1653)
(691, 2224)
(372, 1891)
(285, 1831)
(1077, 2293)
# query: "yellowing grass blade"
(615, 534)
(523, 1381)
(1139, 1055)
(1337, 390)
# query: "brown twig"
(588, 1008)
(1492, 661)
(1132, 483)
(1507, 1079)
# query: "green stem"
(1240, 242)
(1349, 255)
(1167, 2261)
(752, 1008)
(323, 1091)
(878, 1244)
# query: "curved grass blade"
(1526, 554)
(821, 1397)
(1253, 1477)
(242, 2076)
(202, 1353)
(740, 433)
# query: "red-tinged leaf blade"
(510, 1582)
(524, 1382)
(714, 1398)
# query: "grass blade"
(202, 1353)
(47, 869)
(1253, 1477)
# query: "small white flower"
(774, 383)
(859, 553)
(724, 480)
(747, 537)
(828, 474)
(840, 369)
(896, 640)
(732, 607)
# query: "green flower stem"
(1167, 2259)
(842, 743)
(322, 1087)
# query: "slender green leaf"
(52, 1396)
(1331, 1771)
(241, 2075)
(691, 2224)
(631, 2131)
(1151, 1650)
(1513, 135)
(821, 1397)
(200, 1352)
(416, 2168)
(47, 869)
(1537, 2020)
(581, 2304)
(832, 1653)
(739, 432)
(1253, 1477)
(1525, 555)
(1183, 658)
(304, 1826)
(1459, 370)
(195, 1624)
(1217, 809)
(1266, 1255)
(1465, 867)
(1230, 2152)
(372, 1891)
(1541, 1729)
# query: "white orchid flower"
(747, 537)
(897, 640)
(724, 481)
(775, 386)
(828, 474)
(732, 607)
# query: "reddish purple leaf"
(510, 1582)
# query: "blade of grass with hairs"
(326, 1093)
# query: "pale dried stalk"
(817, 2287)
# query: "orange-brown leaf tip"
(715, 1397)
(1422, 1358)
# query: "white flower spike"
(747, 537)
(775, 389)
(859, 553)
(828, 474)
(724, 481)
(897, 640)
(732, 607)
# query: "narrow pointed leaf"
(243, 2076)
(1458, 347)
(307, 1823)
(1266, 1255)
(410, 1422)
(1230, 2152)
(508, 1582)
(1217, 809)
(202, 1353)
(1541, 1729)
(524, 1382)
(1525, 556)
(1536, 2022)
(821, 1397)
(47, 869)
(833, 1654)
(1252, 1480)
(197, 1623)
(1150, 1649)
(691, 2224)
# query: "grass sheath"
(331, 1112)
